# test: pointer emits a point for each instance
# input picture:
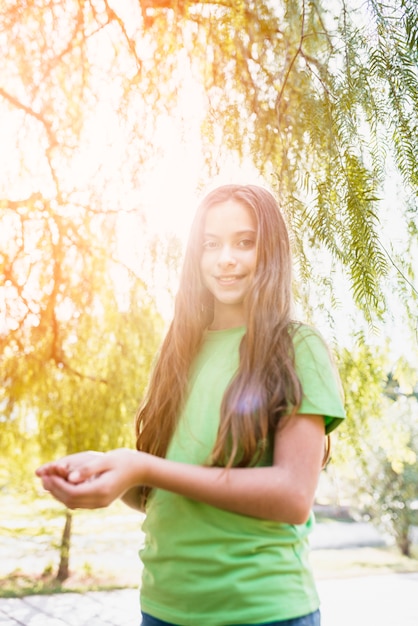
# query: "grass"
(103, 554)
(104, 550)
(367, 561)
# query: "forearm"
(263, 492)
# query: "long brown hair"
(266, 385)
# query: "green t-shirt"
(209, 567)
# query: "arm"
(283, 492)
(133, 499)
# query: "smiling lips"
(228, 280)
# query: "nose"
(226, 256)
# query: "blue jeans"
(313, 619)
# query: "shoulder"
(318, 375)
(307, 337)
(311, 351)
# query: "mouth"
(228, 280)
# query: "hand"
(91, 480)
(69, 465)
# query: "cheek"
(206, 261)
(252, 260)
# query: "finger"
(59, 468)
(88, 472)
(81, 496)
(43, 469)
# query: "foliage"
(319, 98)
(89, 399)
(392, 496)
(363, 373)
(316, 96)
(87, 403)
(376, 449)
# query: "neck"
(214, 326)
(227, 317)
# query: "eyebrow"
(238, 233)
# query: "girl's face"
(228, 260)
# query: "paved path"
(383, 600)
(118, 608)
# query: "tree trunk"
(404, 543)
(63, 569)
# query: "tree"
(321, 99)
(392, 497)
(89, 404)
(315, 96)
(375, 450)
(363, 371)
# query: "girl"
(230, 437)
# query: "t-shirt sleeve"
(321, 387)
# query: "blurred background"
(115, 119)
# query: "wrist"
(137, 464)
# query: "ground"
(105, 544)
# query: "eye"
(210, 244)
(246, 243)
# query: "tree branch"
(112, 16)
(29, 111)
